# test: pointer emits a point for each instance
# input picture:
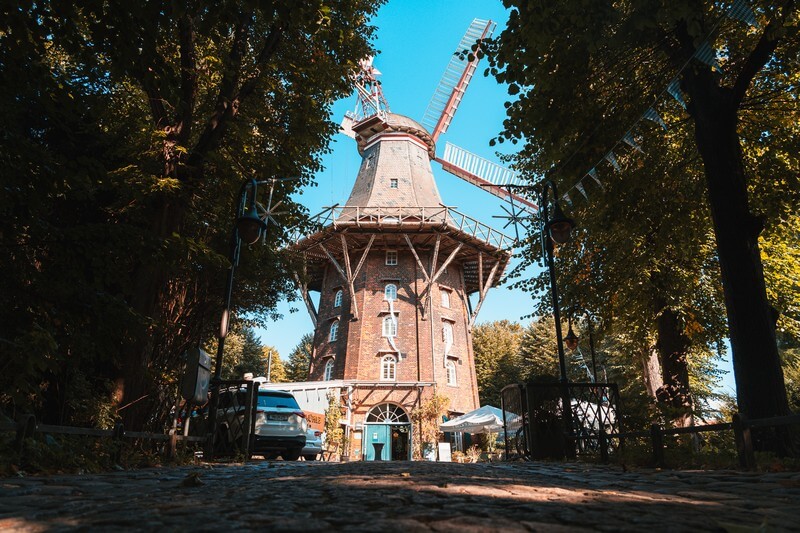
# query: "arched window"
(390, 326)
(328, 370)
(390, 292)
(451, 374)
(447, 333)
(337, 300)
(387, 413)
(445, 298)
(388, 367)
(334, 333)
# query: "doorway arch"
(388, 426)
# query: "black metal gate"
(231, 419)
(536, 426)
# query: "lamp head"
(249, 226)
(560, 226)
(571, 340)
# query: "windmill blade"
(484, 174)
(454, 82)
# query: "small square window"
(391, 257)
(393, 183)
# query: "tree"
(275, 369)
(300, 359)
(138, 126)
(427, 418)
(584, 72)
(334, 434)
(496, 347)
(243, 355)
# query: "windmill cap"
(371, 127)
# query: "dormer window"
(337, 300)
(393, 183)
(391, 257)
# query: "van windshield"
(277, 400)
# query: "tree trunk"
(673, 347)
(651, 371)
(760, 387)
(135, 383)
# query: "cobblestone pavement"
(409, 497)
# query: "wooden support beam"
(484, 289)
(312, 312)
(334, 262)
(435, 257)
(364, 256)
(480, 272)
(349, 278)
(426, 292)
(419, 263)
(447, 262)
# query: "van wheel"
(292, 454)
(310, 457)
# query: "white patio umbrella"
(486, 419)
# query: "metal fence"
(536, 426)
(232, 435)
(234, 407)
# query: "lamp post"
(571, 339)
(557, 230)
(248, 228)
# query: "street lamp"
(248, 227)
(558, 229)
(571, 339)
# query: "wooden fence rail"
(26, 426)
(740, 425)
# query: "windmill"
(397, 271)
(458, 74)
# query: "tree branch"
(231, 96)
(759, 56)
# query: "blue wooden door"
(377, 433)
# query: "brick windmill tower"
(395, 269)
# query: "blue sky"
(416, 39)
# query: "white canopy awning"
(486, 419)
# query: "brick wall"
(360, 344)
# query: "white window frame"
(333, 333)
(452, 378)
(389, 326)
(447, 332)
(337, 299)
(388, 368)
(390, 292)
(394, 183)
(445, 298)
(328, 376)
(391, 257)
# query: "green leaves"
(130, 133)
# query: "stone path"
(408, 497)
